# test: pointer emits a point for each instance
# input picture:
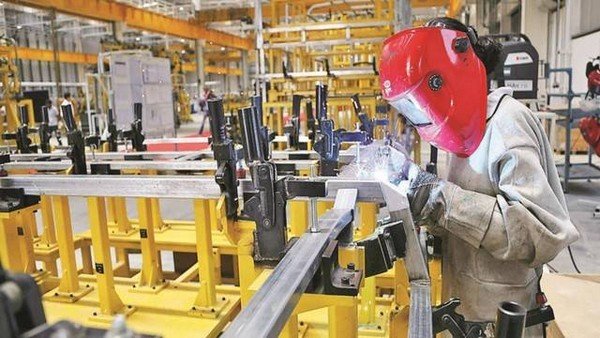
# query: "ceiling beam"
(34, 54)
(229, 14)
(105, 10)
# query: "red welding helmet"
(434, 78)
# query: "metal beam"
(115, 186)
(111, 11)
(271, 306)
(63, 56)
(83, 58)
(231, 14)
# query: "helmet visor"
(411, 110)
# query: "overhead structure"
(105, 10)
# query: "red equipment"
(435, 79)
(590, 129)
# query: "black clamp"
(293, 129)
(76, 142)
(136, 133)
(266, 204)
(12, 199)
(383, 248)
(113, 133)
(44, 131)
(225, 154)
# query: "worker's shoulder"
(515, 123)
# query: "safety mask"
(433, 77)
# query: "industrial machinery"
(354, 263)
(518, 66)
(11, 88)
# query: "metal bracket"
(226, 157)
(337, 280)
(444, 318)
(12, 199)
(383, 247)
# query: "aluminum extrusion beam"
(115, 186)
(160, 186)
(271, 306)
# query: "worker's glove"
(423, 193)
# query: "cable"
(552, 269)
(573, 259)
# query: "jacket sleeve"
(526, 221)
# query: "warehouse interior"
(220, 168)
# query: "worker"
(53, 118)
(500, 212)
(206, 95)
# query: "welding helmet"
(433, 77)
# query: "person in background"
(195, 105)
(53, 118)
(68, 101)
(206, 95)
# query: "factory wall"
(583, 49)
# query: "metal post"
(110, 303)
(151, 274)
(8, 246)
(245, 72)
(261, 87)
(69, 284)
(402, 15)
(55, 49)
(314, 214)
(207, 295)
(49, 233)
(199, 44)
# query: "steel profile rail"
(270, 308)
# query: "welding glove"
(424, 193)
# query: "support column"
(55, 50)
(69, 288)
(110, 303)
(245, 72)
(206, 303)
(49, 233)
(534, 24)
(151, 278)
(402, 14)
(118, 27)
(200, 65)
(261, 86)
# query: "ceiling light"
(137, 38)
(222, 49)
(181, 8)
(19, 26)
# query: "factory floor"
(582, 199)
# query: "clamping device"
(44, 131)
(509, 322)
(225, 155)
(136, 134)
(113, 133)
(76, 142)
(292, 130)
(21, 136)
(328, 140)
(266, 204)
